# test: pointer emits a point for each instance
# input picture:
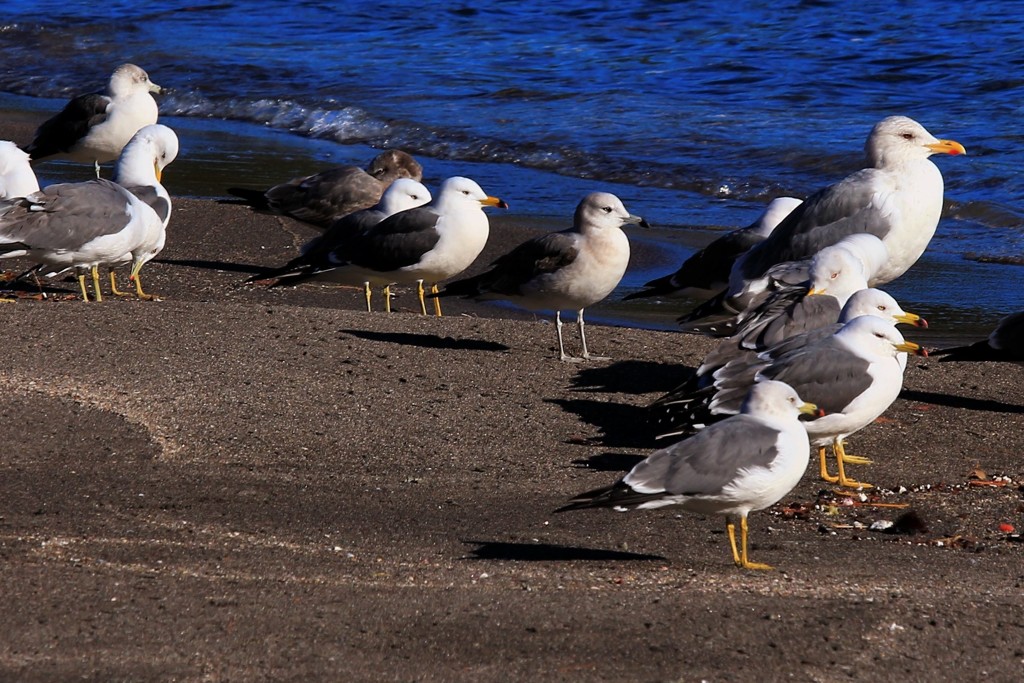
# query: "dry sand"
(243, 484)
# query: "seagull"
(1005, 344)
(571, 269)
(897, 198)
(744, 463)
(86, 225)
(322, 198)
(708, 269)
(428, 243)
(16, 176)
(722, 377)
(96, 127)
(326, 251)
(854, 375)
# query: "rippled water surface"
(696, 113)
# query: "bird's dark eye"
(607, 209)
(881, 308)
(908, 136)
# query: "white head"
(836, 272)
(872, 337)
(143, 159)
(128, 79)
(401, 195)
(879, 304)
(777, 210)
(896, 140)
(459, 190)
(870, 251)
(16, 176)
(602, 210)
(773, 398)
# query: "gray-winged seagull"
(96, 127)
(744, 463)
(327, 251)
(564, 270)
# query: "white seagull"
(327, 251)
(322, 198)
(429, 243)
(16, 176)
(96, 127)
(744, 463)
(90, 224)
(566, 270)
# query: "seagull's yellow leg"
(368, 293)
(419, 292)
(134, 276)
(387, 299)
(849, 459)
(96, 282)
(437, 302)
(731, 528)
(840, 462)
(744, 562)
(823, 467)
(113, 285)
(81, 283)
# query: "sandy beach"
(242, 483)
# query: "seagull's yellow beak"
(159, 172)
(494, 201)
(947, 147)
(154, 88)
(911, 319)
(815, 291)
(811, 409)
(912, 348)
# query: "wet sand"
(242, 483)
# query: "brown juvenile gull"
(571, 269)
(324, 252)
(1005, 344)
(744, 463)
(897, 198)
(708, 269)
(324, 197)
(96, 127)
(86, 225)
(429, 243)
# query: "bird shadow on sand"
(608, 462)
(632, 377)
(226, 266)
(427, 341)
(952, 401)
(620, 425)
(548, 552)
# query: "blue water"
(696, 113)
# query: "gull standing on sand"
(854, 375)
(689, 403)
(708, 269)
(1004, 345)
(564, 270)
(98, 222)
(96, 127)
(897, 198)
(428, 243)
(744, 463)
(327, 251)
(324, 197)
(16, 176)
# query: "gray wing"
(825, 374)
(707, 462)
(396, 242)
(539, 256)
(60, 133)
(66, 216)
(148, 195)
(823, 219)
(806, 313)
(324, 197)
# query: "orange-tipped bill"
(911, 319)
(947, 147)
(912, 348)
(494, 201)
